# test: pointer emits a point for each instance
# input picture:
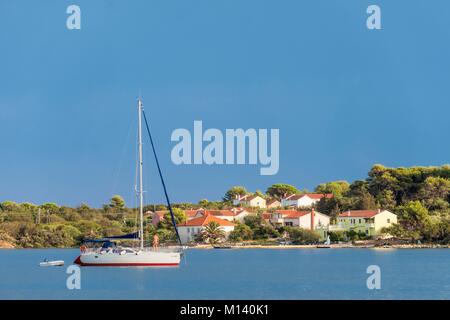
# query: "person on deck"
(155, 241)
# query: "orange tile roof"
(319, 195)
(287, 212)
(310, 195)
(192, 213)
(266, 216)
(296, 215)
(292, 214)
(360, 213)
(294, 197)
(227, 213)
(206, 219)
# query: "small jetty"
(222, 247)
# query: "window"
(289, 224)
(359, 220)
(188, 230)
(388, 220)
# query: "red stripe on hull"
(78, 261)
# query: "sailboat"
(109, 254)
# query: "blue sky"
(343, 97)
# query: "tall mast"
(141, 191)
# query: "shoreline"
(6, 245)
(332, 246)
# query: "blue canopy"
(130, 236)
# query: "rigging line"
(136, 193)
(162, 179)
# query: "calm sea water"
(237, 274)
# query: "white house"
(250, 201)
(302, 219)
(303, 200)
(191, 228)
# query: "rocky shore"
(6, 245)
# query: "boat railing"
(118, 249)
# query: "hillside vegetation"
(420, 196)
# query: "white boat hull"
(138, 259)
(52, 263)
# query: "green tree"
(241, 232)
(233, 192)
(413, 216)
(385, 199)
(355, 235)
(50, 207)
(179, 215)
(83, 208)
(279, 190)
(204, 203)
(360, 196)
(253, 221)
(337, 236)
(337, 188)
(264, 231)
(213, 233)
(437, 229)
(9, 206)
(302, 236)
(29, 207)
(435, 192)
(381, 179)
(117, 202)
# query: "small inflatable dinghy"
(54, 263)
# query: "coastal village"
(295, 211)
(398, 207)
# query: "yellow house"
(273, 204)
(369, 222)
(254, 201)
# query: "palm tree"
(213, 233)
